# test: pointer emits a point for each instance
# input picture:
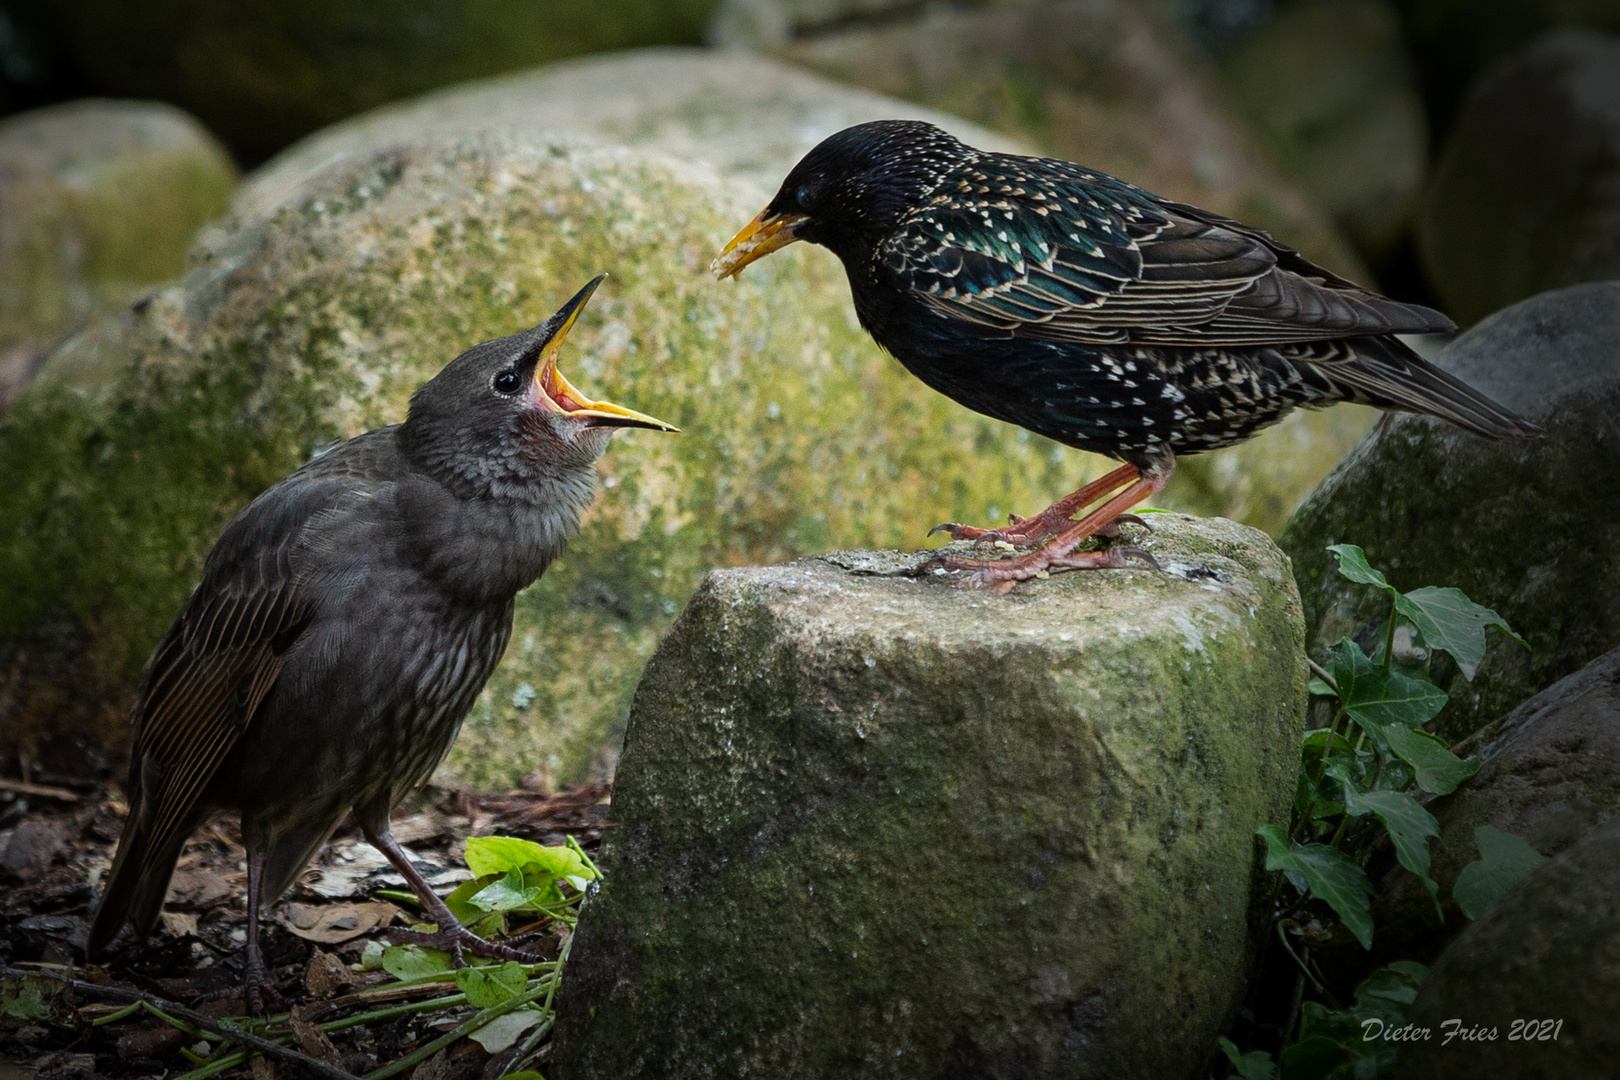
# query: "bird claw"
(456, 939)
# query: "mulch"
(56, 844)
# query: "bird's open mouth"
(758, 238)
(556, 394)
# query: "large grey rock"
(1549, 952)
(884, 826)
(1525, 527)
(1332, 95)
(264, 72)
(1526, 194)
(746, 118)
(317, 317)
(98, 199)
(1550, 772)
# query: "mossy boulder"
(265, 72)
(1548, 953)
(98, 199)
(1526, 192)
(880, 825)
(1524, 527)
(1333, 99)
(1550, 773)
(315, 320)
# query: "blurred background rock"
(1459, 153)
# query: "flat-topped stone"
(874, 822)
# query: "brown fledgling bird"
(1100, 315)
(344, 624)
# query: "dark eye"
(507, 382)
(803, 196)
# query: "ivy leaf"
(1504, 859)
(1331, 875)
(1353, 565)
(1319, 688)
(1255, 1065)
(486, 986)
(1439, 771)
(1376, 698)
(1448, 620)
(500, 854)
(1410, 827)
(413, 961)
(506, 893)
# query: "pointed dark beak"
(557, 394)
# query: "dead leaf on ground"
(333, 924)
(199, 888)
(328, 976)
(178, 923)
(264, 1069)
(311, 1039)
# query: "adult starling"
(345, 622)
(1076, 305)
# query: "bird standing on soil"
(1102, 316)
(345, 622)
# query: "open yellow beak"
(758, 238)
(557, 394)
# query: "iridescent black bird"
(1060, 299)
(345, 623)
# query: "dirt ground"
(56, 844)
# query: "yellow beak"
(559, 395)
(758, 238)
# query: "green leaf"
(505, 894)
(503, 1031)
(1353, 565)
(1448, 620)
(1410, 827)
(486, 986)
(500, 854)
(1255, 1065)
(1376, 698)
(1398, 984)
(1504, 859)
(26, 999)
(1439, 771)
(526, 1074)
(1331, 875)
(413, 961)
(1319, 687)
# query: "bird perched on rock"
(345, 622)
(1100, 315)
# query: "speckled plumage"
(1096, 313)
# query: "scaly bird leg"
(998, 575)
(1055, 518)
(256, 978)
(450, 936)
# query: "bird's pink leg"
(1055, 518)
(998, 575)
(450, 936)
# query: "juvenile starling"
(1100, 315)
(344, 624)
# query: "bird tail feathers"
(1387, 373)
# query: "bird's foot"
(257, 992)
(1000, 575)
(1026, 530)
(456, 939)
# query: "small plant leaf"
(1448, 620)
(1504, 859)
(1438, 770)
(486, 986)
(1410, 827)
(1331, 875)
(500, 854)
(1376, 698)
(1318, 686)
(413, 961)
(506, 893)
(1353, 565)
(1255, 1065)
(500, 1033)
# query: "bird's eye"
(803, 196)
(507, 382)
